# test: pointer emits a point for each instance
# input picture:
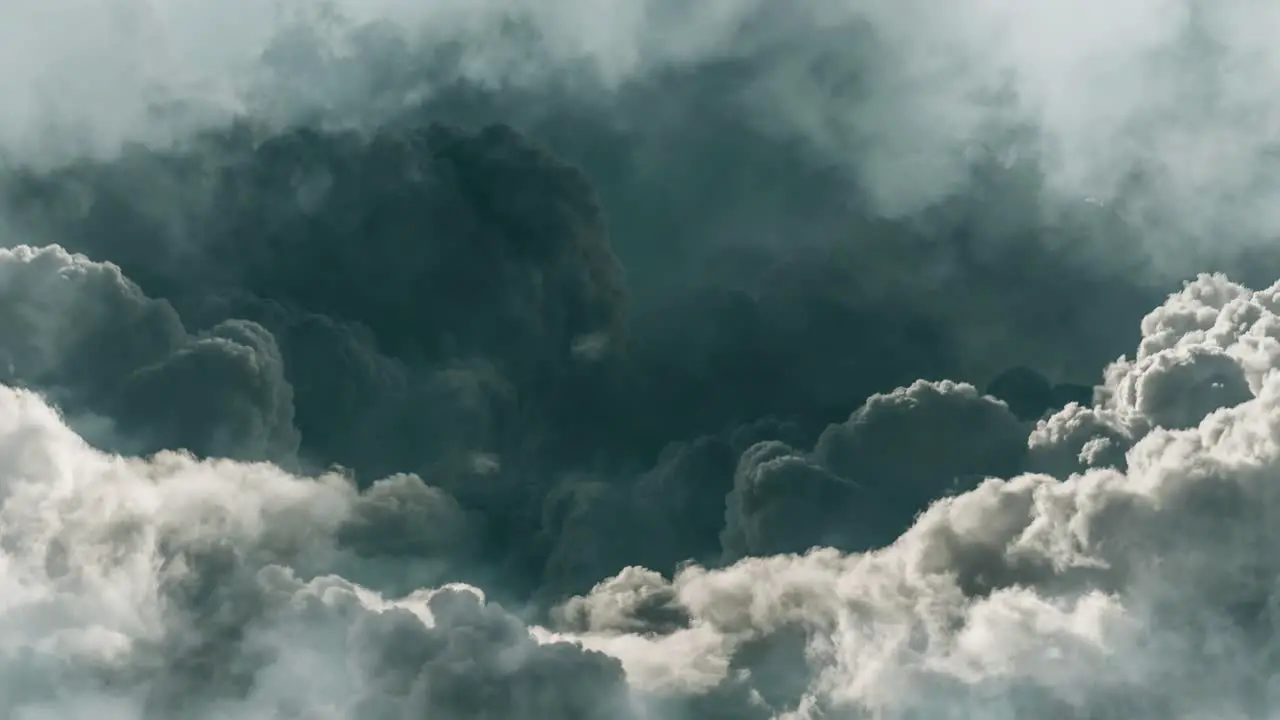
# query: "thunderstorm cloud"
(642, 360)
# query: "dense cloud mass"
(663, 361)
(1136, 584)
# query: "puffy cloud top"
(1137, 587)
(768, 372)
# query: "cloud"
(1132, 583)
(1138, 591)
(867, 477)
(422, 298)
(753, 377)
(83, 333)
(1161, 111)
(673, 512)
(177, 586)
(784, 502)
(442, 275)
(416, 301)
(110, 561)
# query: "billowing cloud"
(1141, 591)
(86, 335)
(172, 585)
(1161, 110)
(423, 289)
(449, 303)
(680, 361)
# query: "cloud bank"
(659, 361)
(1134, 584)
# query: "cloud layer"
(527, 360)
(1161, 111)
(1138, 587)
(1134, 584)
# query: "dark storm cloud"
(429, 301)
(727, 328)
(746, 233)
(451, 303)
(86, 335)
(589, 526)
(973, 436)
(683, 371)
(448, 277)
(869, 476)
(176, 586)
(784, 502)
(1103, 592)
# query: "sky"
(642, 359)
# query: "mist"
(1160, 111)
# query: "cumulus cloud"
(83, 333)
(173, 587)
(421, 298)
(669, 514)
(784, 502)
(867, 477)
(1139, 591)
(425, 295)
(767, 371)
(1127, 577)
(177, 585)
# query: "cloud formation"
(81, 332)
(510, 360)
(449, 303)
(171, 587)
(1141, 589)
(175, 586)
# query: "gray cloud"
(1134, 592)
(1161, 110)
(86, 335)
(171, 585)
(666, 405)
